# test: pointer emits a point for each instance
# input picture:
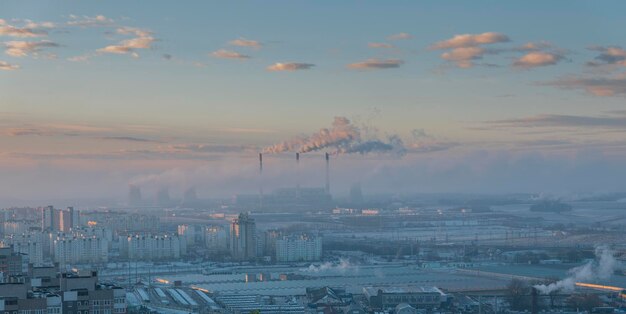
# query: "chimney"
(261, 180)
(327, 173)
(297, 175)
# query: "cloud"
(563, 121)
(228, 54)
(466, 48)
(400, 36)
(379, 45)
(26, 132)
(471, 40)
(53, 130)
(90, 21)
(609, 55)
(5, 66)
(30, 30)
(419, 134)
(376, 64)
(538, 59)
(24, 48)
(128, 139)
(215, 148)
(423, 142)
(289, 66)
(597, 86)
(143, 40)
(463, 57)
(29, 24)
(81, 58)
(242, 42)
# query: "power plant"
(297, 197)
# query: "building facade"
(296, 248)
(243, 244)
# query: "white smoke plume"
(342, 137)
(341, 267)
(602, 267)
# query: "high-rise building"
(49, 217)
(295, 248)
(152, 247)
(72, 249)
(243, 238)
(216, 238)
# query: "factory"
(385, 298)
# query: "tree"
(586, 301)
(518, 295)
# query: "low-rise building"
(386, 298)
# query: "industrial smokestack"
(260, 180)
(298, 175)
(327, 174)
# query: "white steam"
(342, 137)
(329, 267)
(602, 267)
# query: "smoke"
(342, 137)
(343, 266)
(602, 267)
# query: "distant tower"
(163, 197)
(243, 244)
(190, 196)
(356, 195)
(134, 195)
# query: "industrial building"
(385, 298)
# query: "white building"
(152, 247)
(30, 244)
(17, 227)
(192, 234)
(216, 238)
(69, 249)
(295, 248)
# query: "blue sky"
(88, 87)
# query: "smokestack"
(297, 175)
(327, 174)
(534, 306)
(261, 180)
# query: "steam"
(342, 137)
(602, 268)
(341, 267)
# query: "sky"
(407, 96)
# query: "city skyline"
(471, 98)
